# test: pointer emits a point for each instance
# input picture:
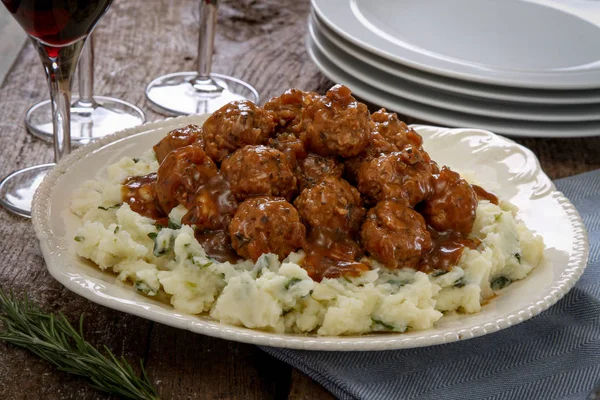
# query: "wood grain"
(260, 41)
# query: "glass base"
(89, 121)
(18, 188)
(174, 94)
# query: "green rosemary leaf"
(52, 338)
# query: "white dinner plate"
(538, 44)
(499, 164)
(445, 117)
(450, 101)
(494, 92)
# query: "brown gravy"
(140, 193)
(331, 254)
(217, 245)
(446, 251)
(483, 194)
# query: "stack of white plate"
(516, 67)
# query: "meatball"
(266, 225)
(402, 175)
(188, 135)
(140, 193)
(377, 146)
(212, 206)
(259, 170)
(180, 174)
(288, 109)
(310, 170)
(235, 125)
(395, 131)
(290, 145)
(395, 235)
(452, 205)
(332, 204)
(336, 124)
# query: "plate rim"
(454, 85)
(434, 97)
(421, 111)
(503, 78)
(41, 224)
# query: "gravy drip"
(483, 194)
(140, 193)
(212, 206)
(445, 252)
(217, 245)
(331, 254)
(210, 211)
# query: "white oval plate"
(446, 117)
(494, 92)
(499, 164)
(451, 101)
(525, 43)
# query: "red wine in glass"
(57, 29)
(57, 23)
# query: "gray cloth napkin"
(555, 355)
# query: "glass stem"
(206, 41)
(59, 64)
(85, 75)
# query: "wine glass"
(198, 92)
(57, 29)
(91, 116)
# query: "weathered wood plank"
(260, 41)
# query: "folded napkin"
(555, 355)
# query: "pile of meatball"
(311, 172)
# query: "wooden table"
(260, 41)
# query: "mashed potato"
(280, 296)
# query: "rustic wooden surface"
(260, 41)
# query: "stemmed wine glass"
(91, 116)
(57, 29)
(198, 92)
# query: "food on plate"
(336, 124)
(236, 125)
(312, 168)
(259, 171)
(306, 216)
(405, 175)
(333, 204)
(181, 172)
(395, 234)
(266, 225)
(185, 136)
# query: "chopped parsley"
(381, 323)
(191, 257)
(398, 283)
(136, 160)
(79, 239)
(439, 272)
(518, 257)
(292, 282)
(497, 217)
(108, 208)
(144, 288)
(161, 247)
(173, 225)
(460, 282)
(500, 283)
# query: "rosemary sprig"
(55, 340)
